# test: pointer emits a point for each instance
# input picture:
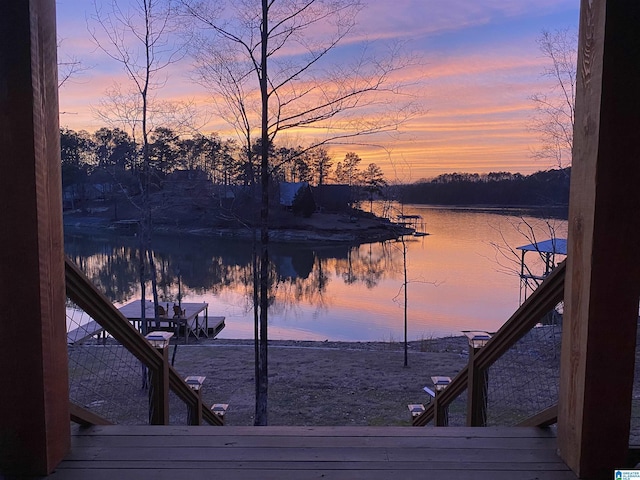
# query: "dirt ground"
(322, 383)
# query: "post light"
(195, 382)
(441, 412)
(440, 383)
(477, 339)
(416, 409)
(159, 340)
(477, 381)
(219, 409)
(159, 380)
(194, 412)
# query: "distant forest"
(548, 188)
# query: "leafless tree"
(511, 260)
(123, 109)
(140, 35)
(269, 70)
(69, 66)
(554, 109)
(553, 122)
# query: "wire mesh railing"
(526, 378)
(515, 375)
(105, 378)
(457, 412)
(115, 374)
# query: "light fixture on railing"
(195, 382)
(159, 340)
(441, 411)
(416, 409)
(219, 409)
(440, 383)
(477, 339)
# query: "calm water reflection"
(456, 280)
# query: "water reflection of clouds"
(334, 292)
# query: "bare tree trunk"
(256, 320)
(136, 38)
(142, 255)
(406, 298)
(263, 383)
(241, 51)
(154, 279)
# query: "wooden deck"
(191, 323)
(312, 452)
(194, 321)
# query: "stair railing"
(82, 292)
(470, 378)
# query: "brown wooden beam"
(34, 404)
(545, 418)
(85, 417)
(159, 391)
(477, 392)
(603, 267)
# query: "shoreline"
(320, 227)
(445, 344)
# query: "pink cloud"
(477, 111)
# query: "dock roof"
(553, 245)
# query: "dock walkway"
(194, 319)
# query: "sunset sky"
(480, 64)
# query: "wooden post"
(477, 383)
(159, 391)
(603, 266)
(34, 403)
(440, 412)
(194, 413)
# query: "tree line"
(112, 156)
(544, 188)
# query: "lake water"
(463, 276)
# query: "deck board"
(169, 452)
(158, 441)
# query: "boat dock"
(413, 222)
(190, 318)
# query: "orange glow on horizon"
(474, 97)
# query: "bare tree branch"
(267, 69)
(555, 110)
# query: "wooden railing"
(542, 301)
(86, 296)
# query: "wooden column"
(440, 412)
(477, 390)
(159, 391)
(194, 413)
(34, 403)
(603, 265)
